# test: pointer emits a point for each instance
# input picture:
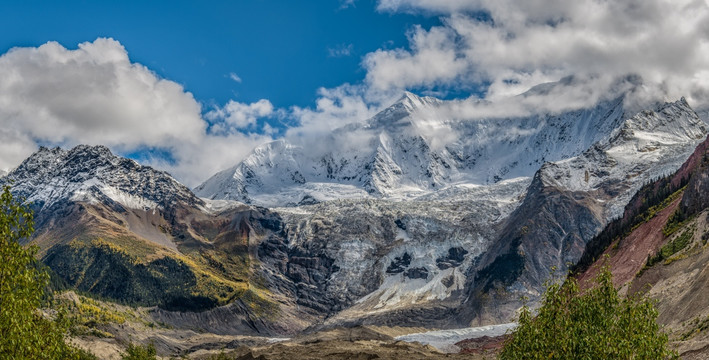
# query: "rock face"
(357, 258)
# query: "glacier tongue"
(444, 340)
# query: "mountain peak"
(682, 102)
(407, 104)
(94, 174)
(409, 97)
(412, 101)
(81, 153)
(44, 151)
(99, 150)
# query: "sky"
(192, 86)
(221, 50)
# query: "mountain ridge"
(87, 172)
(401, 157)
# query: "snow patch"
(399, 291)
(217, 206)
(128, 200)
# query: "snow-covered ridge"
(648, 145)
(410, 150)
(93, 174)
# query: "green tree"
(138, 352)
(25, 333)
(594, 324)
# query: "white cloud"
(95, 95)
(15, 146)
(335, 108)
(433, 59)
(196, 162)
(234, 77)
(341, 50)
(344, 4)
(241, 115)
(521, 43)
(436, 6)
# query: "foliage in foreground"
(25, 333)
(140, 352)
(595, 324)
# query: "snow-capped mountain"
(569, 201)
(646, 146)
(582, 167)
(413, 217)
(113, 228)
(411, 149)
(93, 174)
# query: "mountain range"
(414, 217)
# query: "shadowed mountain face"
(406, 231)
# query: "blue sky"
(281, 50)
(192, 87)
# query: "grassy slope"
(95, 252)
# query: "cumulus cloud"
(433, 59)
(195, 163)
(96, 95)
(241, 115)
(93, 93)
(510, 46)
(435, 6)
(337, 107)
